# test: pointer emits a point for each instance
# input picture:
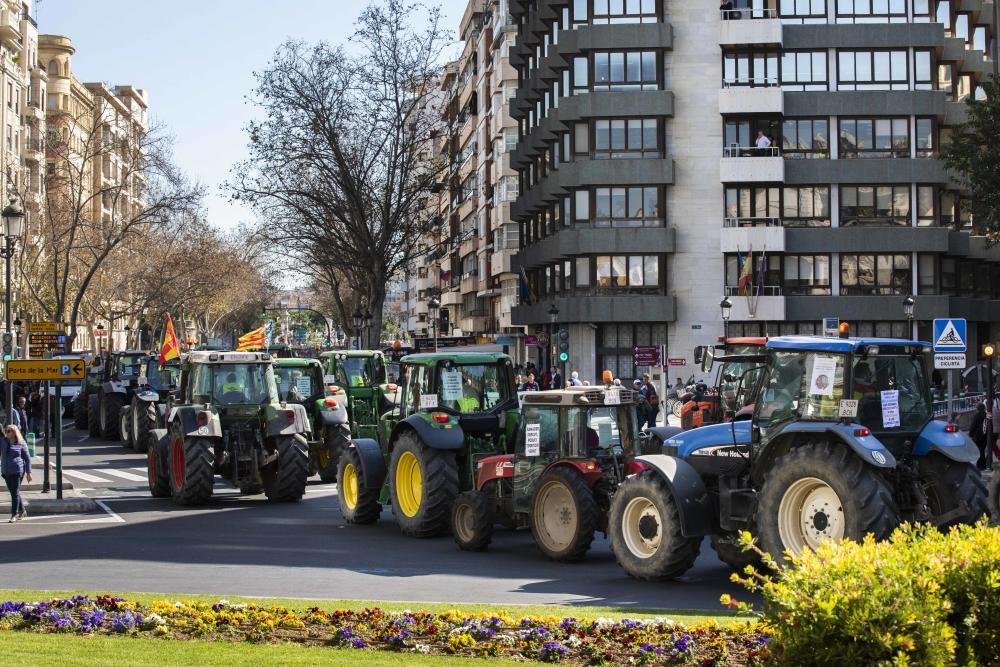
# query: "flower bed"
(549, 639)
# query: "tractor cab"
(361, 376)
(299, 380)
(229, 379)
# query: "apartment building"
(783, 154)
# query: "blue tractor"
(841, 442)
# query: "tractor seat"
(480, 423)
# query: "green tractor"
(150, 385)
(362, 375)
(455, 410)
(228, 419)
(302, 381)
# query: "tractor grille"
(597, 395)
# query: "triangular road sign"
(949, 335)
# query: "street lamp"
(432, 305)
(128, 332)
(553, 345)
(908, 304)
(726, 306)
(359, 320)
(368, 326)
(13, 218)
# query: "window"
(806, 275)
(871, 11)
(805, 206)
(872, 70)
(874, 205)
(632, 138)
(615, 346)
(624, 11)
(875, 274)
(625, 70)
(582, 271)
(750, 68)
(926, 206)
(749, 206)
(766, 282)
(581, 206)
(874, 137)
(922, 68)
(581, 68)
(945, 81)
(926, 274)
(926, 145)
(581, 139)
(509, 139)
(804, 70)
(627, 207)
(803, 11)
(805, 138)
(921, 11)
(949, 276)
(628, 272)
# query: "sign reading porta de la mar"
(46, 369)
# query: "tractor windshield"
(128, 365)
(891, 392)
(234, 384)
(296, 383)
(363, 371)
(162, 377)
(801, 385)
(473, 388)
(605, 428)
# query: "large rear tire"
(80, 413)
(144, 418)
(358, 503)
(645, 531)
(94, 415)
(952, 485)
(472, 521)
(423, 483)
(190, 462)
(728, 550)
(285, 478)
(156, 473)
(111, 410)
(564, 515)
(821, 491)
(125, 427)
(335, 441)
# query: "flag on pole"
(268, 334)
(746, 273)
(252, 340)
(169, 349)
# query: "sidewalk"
(35, 501)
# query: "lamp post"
(17, 335)
(359, 320)
(726, 306)
(368, 327)
(553, 343)
(908, 304)
(13, 218)
(128, 335)
(432, 305)
(100, 328)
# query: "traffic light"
(8, 345)
(988, 350)
(563, 349)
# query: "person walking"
(993, 451)
(977, 431)
(36, 410)
(574, 379)
(652, 397)
(15, 465)
(20, 416)
(557, 379)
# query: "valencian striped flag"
(170, 349)
(253, 340)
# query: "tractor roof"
(575, 396)
(297, 362)
(458, 358)
(830, 344)
(205, 357)
(351, 354)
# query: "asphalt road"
(248, 546)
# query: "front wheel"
(156, 473)
(822, 492)
(645, 530)
(563, 515)
(285, 478)
(472, 521)
(80, 413)
(94, 415)
(125, 426)
(423, 485)
(144, 418)
(358, 503)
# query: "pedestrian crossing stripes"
(124, 475)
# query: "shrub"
(921, 597)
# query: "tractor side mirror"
(707, 359)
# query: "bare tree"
(339, 166)
(112, 178)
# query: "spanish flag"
(169, 350)
(253, 340)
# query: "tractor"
(455, 410)
(109, 390)
(302, 381)
(574, 448)
(362, 376)
(150, 385)
(228, 419)
(842, 443)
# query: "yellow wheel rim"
(409, 484)
(349, 486)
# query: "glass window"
(752, 206)
(750, 68)
(624, 11)
(871, 11)
(922, 69)
(580, 69)
(926, 145)
(631, 138)
(582, 206)
(628, 272)
(875, 205)
(874, 137)
(875, 274)
(926, 206)
(802, 11)
(805, 138)
(627, 207)
(926, 274)
(805, 206)
(801, 385)
(806, 275)
(872, 70)
(625, 70)
(804, 70)
(874, 375)
(582, 271)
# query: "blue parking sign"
(949, 335)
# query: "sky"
(195, 59)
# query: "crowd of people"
(985, 431)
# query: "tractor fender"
(694, 507)
(868, 448)
(114, 387)
(372, 462)
(586, 468)
(148, 395)
(957, 445)
(492, 468)
(188, 417)
(451, 437)
(708, 438)
(334, 416)
(279, 423)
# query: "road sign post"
(950, 344)
(59, 444)
(46, 412)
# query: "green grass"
(685, 616)
(25, 648)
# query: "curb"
(37, 486)
(76, 504)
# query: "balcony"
(10, 29)
(768, 305)
(500, 262)
(738, 97)
(469, 284)
(747, 164)
(750, 26)
(741, 234)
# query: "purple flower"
(92, 620)
(568, 624)
(649, 648)
(357, 642)
(125, 621)
(553, 652)
(683, 644)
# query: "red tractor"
(702, 404)
(573, 449)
